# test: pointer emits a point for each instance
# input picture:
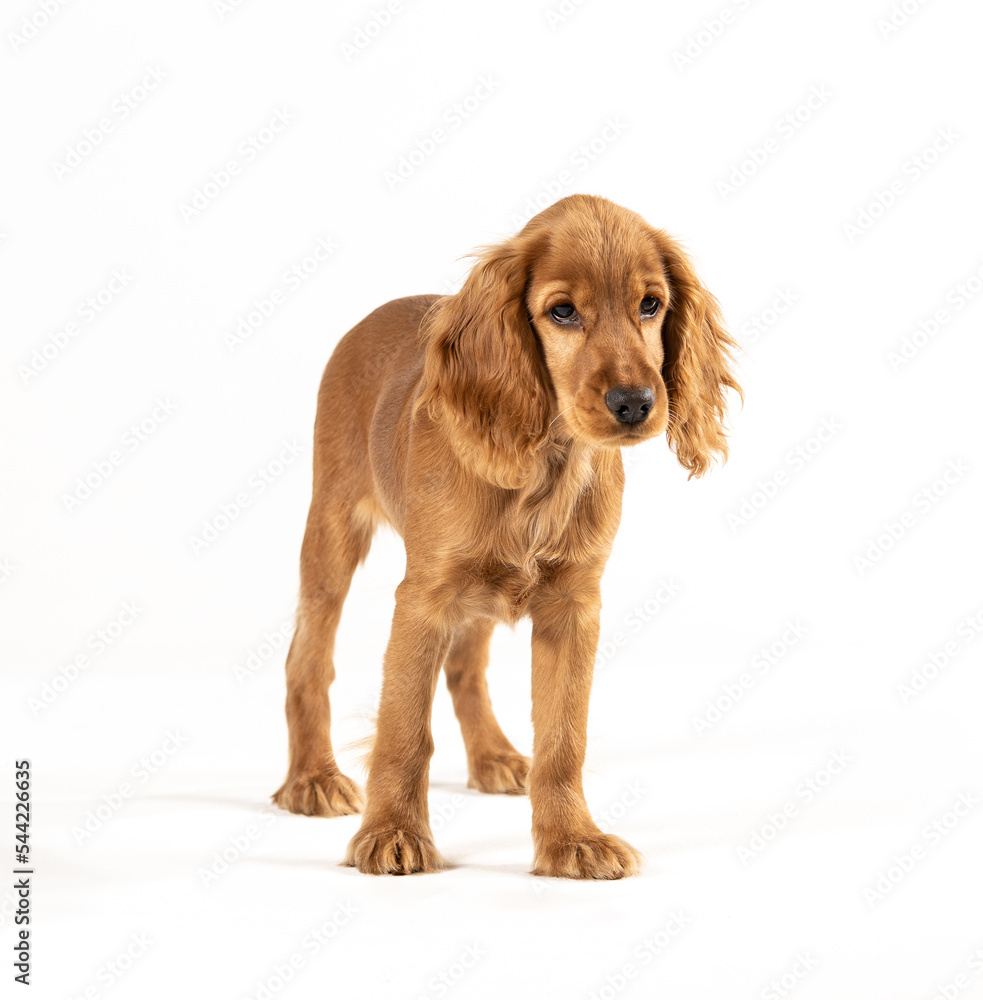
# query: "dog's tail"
(361, 747)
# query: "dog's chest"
(534, 530)
(511, 591)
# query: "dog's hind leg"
(337, 539)
(494, 765)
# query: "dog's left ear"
(696, 366)
(483, 374)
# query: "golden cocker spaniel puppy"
(486, 427)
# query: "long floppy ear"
(696, 366)
(483, 376)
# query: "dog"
(486, 427)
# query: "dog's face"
(588, 325)
(598, 315)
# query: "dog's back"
(365, 390)
(380, 347)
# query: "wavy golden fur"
(486, 427)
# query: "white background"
(807, 905)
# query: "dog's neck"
(565, 469)
(540, 512)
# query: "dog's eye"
(563, 313)
(650, 306)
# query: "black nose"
(630, 406)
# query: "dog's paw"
(392, 852)
(593, 855)
(320, 795)
(506, 773)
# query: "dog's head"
(590, 325)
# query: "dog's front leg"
(395, 837)
(567, 841)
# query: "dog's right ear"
(483, 374)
